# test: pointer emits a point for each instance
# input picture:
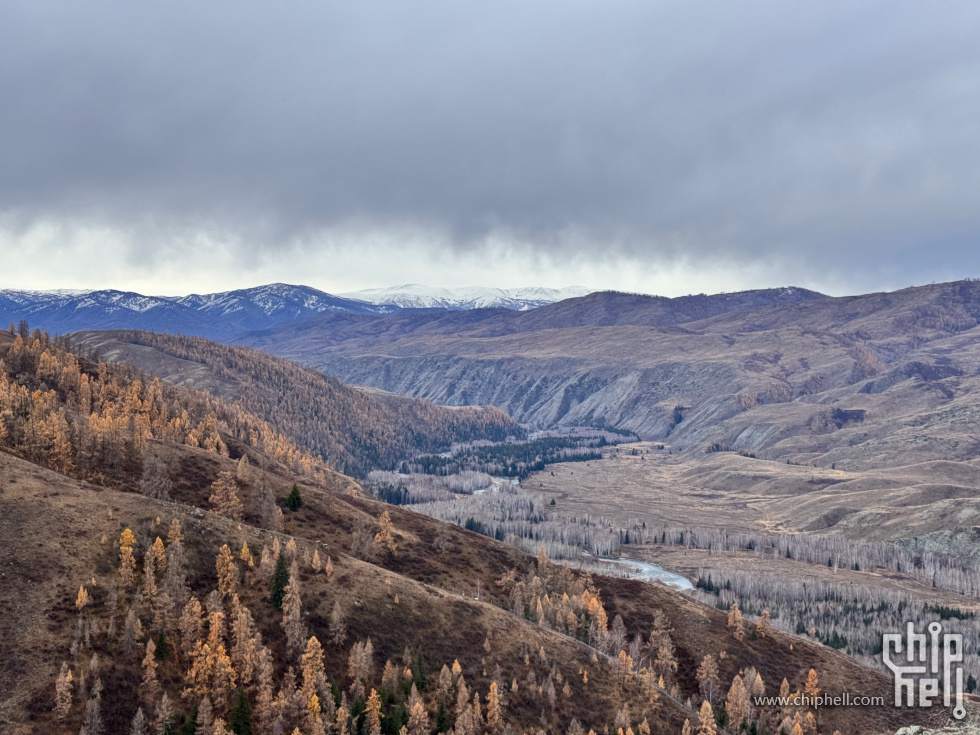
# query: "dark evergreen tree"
(280, 578)
(295, 501)
(419, 672)
(442, 719)
(241, 716)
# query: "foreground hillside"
(411, 598)
(354, 430)
(122, 611)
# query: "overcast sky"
(664, 147)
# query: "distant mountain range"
(221, 315)
(414, 296)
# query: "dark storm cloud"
(817, 132)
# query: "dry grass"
(50, 541)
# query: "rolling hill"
(104, 619)
(356, 431)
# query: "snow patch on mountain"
(416, 296)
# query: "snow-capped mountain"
(208, 315)
(415, 296)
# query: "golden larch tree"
(737, 704)
(735, 624)
(706, 720)
(224, 498)
(763, 628)
(127, 564)
(811, 687)
(227, 571)
(384, 539)
(493, 706)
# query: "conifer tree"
(227, 572)
(292, 625)
(82, 599)
(372, 711)
(127, 564)
(241, 716)
(280, 579)
(139, 725)
(166, 717)
(493, 707)
(92, 718)
(242, 471)
(62, 692)
(418, 720)
(706, 720)
(707, 676)
(155, 482)
(735, 622)
(338, 624)
(205, 717)
(174, 534)
(811, 687)
(224, 498)
(763, 628)
(150, 686)
(246, 555)
(311, 667)
(737, 704)
(159, 555)
(384, 540)
(294, 501)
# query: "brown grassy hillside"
(353, 430)
(409, 600)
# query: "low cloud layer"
(658, 146)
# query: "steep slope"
(353, 430)
(210, 315)
(628, 361)
(407, 600)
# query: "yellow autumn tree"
(493, 706)
(384, 540)
(763, 628)
(127, 564)
(735, 624)
(811, 688)
(227, 571)
(706, 720)
(737, 704)
(224, 498)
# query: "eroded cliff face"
(852, 381)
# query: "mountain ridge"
(220, 314)
(417, 296)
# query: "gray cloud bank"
(839, 135)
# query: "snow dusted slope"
(415, 296)
(210, 315)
